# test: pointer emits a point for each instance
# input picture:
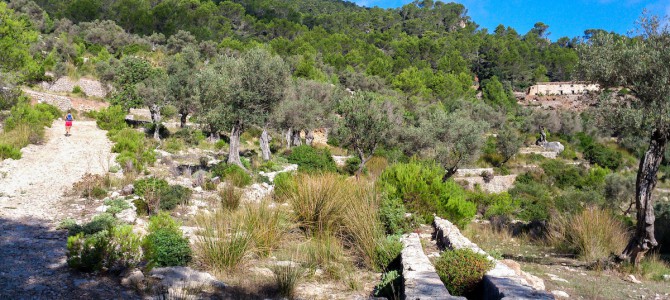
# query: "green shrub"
(134, 153)
(174, 195)
(116, 206)
(190, 136)
(573, 201)
(386, 251)
(498, 204)
(563, 175)
(462, 270)
(173, 145)
(110, 118)
(114, 249)
(77, 90)
(534, 198)
(230, 197)
(86, 253)
(9, 151)
(232, 173)
(101, 222)
(421, 189)
(599, 154)
(351, 165)
(152, 190)
(310, 159)
(285, 185)
(392, 215)
(390, 285)
(165, 245)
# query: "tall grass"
(230, 197)
(228, 236)
(328, 204)
(592, 234)
(287, 277)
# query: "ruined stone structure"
(561, 88)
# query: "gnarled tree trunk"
(234, 150)
(288, 135)
(309, 137)
(182, 118)
(644, 238)
(156, 119)
(296, 141)
(265, 145)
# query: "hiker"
(68, 123)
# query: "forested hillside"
(422, 48)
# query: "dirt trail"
(32, 253)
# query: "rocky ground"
(32, 252)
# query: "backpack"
(68, 118)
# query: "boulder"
(554, 146)
(128, 215)
(128, 190)
(184, 276)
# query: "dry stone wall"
(502, 282)
(419, 276)
(90, 87)
(498, 184)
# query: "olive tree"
(154, 94)
(237, 93)
(638, 64)
(508, 142)
(307, 106)
(367, 121)
(450, 138)
(182, 84)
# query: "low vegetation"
(462, 270)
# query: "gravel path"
(32, 253)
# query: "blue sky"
(565, 18)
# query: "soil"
(32, 251)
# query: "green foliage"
(77, 90)
(190, 136)
(165, 246)
(495, 204)
(462, 270)
(114, 248)
(285, 185)
(390, 285)
(15, 42)
(116, 205)
(387, 250)
(351, 165)
(134, 153)
(494, 93)
(233, 173)
(110, 118)
(173, 196)
(150, 186)
(392, 215)
(9, 151)
(421, 189)
(310, 159)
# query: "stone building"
(561, 88)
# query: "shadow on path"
(33, 266)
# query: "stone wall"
(90, 87)
(498, 184)
(502, 282)
(561, 88)
(419, 276)
(65, 103)
(472, 172)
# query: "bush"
(173, 145)
(462, 270)
(190, 136)
(392, 215)
(592, 234)
(110, 118)
(495, 204)
(310, 159)
(114, 249)
(351, 165)
(387, 250)
(77, 90)
(165, 245)
(563, 175)
(151, 189)
(285, 185)
(134, 153)
(390, 285)
(421, 189)
(101, 222)
(232, 173)
(534, 199)
(116, 206)
(174, 195)
(9, 151)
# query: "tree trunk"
(450, 172)
(234, 150)
(182, 119)
(644, 238)
(156, 119)
(296, 138)
(265, 144)
(309, 137)
(288, 135)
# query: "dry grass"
(376, 165)
(20, 136)
(330, 204)
(592, 234)
(229, 236)
(230, 197)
